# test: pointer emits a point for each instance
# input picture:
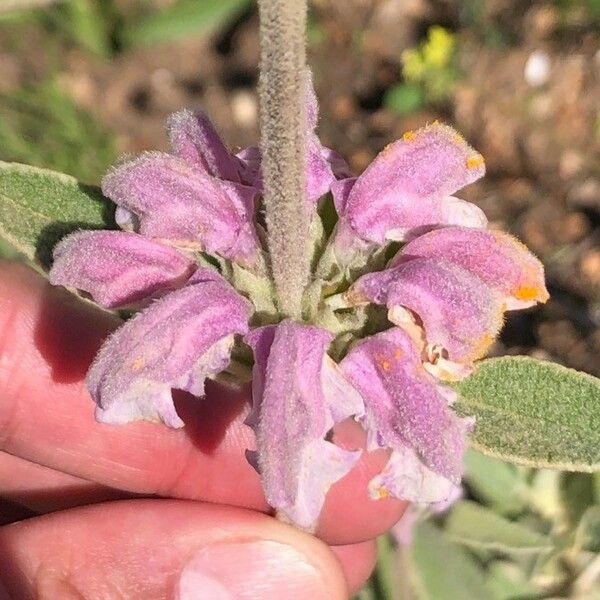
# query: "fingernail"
(258, 570)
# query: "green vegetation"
(429, 72)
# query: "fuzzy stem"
(283, 131)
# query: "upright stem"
(283, 131)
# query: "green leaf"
(596, 483)
(443, 570)
(183, 18)
(404, 98)
(588, 530)
(41, 125)
(577, 494)
(86, 25)
(545, 495)
(386, 572)
(508, 582)
(495, 482)
(38, 207)
(478, 527)
(534, 413)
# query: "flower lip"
(299, 394)
(173, 200)
(498, 259)
(194, 138)
(177, 342)
(409, 184)
(459, 313)
(118, 268)
(407, 411)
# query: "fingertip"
(358, 562)
(155, 549)
(350, 515)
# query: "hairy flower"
(118, 268)
(192, 259)
(299, 395)
(407, 411)
(177, 342)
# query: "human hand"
(202, 533)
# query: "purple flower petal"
(408, 186)
(173, 200)
(405, 476)
(319, 174)
(177, 342)
(249, 167)
(126, 220)
(460, 314)
(194, 138)
(498, 259)
(339, 166)
(340, 190)
(118, 268)
(299, 394)
(407, 411)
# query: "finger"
(46, 416)
(358, 562)
(11, 512)
(156, 549)
(41, 489)
(28, 487)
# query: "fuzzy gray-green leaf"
(508, 582)
(441, 570)
(478, 527)
(495, 482)
(38, 207)
(534, 413)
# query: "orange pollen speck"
(398, 354)
(382, 493)
(138, 363)
(527, 292)
(482, 347)
(409, 136)
(475, 161)
(385, 365)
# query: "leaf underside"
(534, 413)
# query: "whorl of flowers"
(408, 289)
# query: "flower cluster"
(409, 289)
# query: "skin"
(96, 511)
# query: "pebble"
(537, 68)
(244, 108)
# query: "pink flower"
(177, 342)
(299, 395)
(407, 411)
(444, 294)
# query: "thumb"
(156, 549)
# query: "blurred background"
(84, 81)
